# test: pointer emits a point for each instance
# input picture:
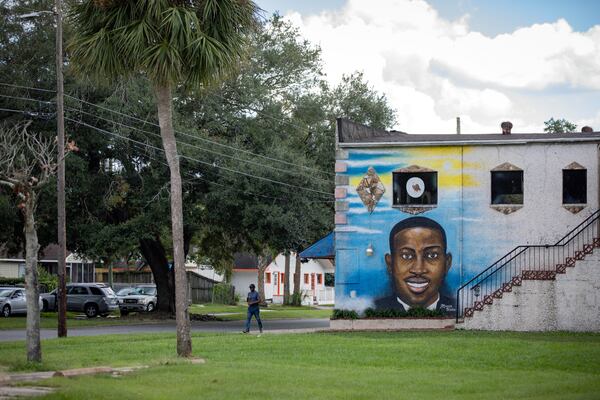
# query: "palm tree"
(173, 42)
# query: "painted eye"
(432, 255)
(406, 256)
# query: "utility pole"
(60, 127)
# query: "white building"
(312, 279)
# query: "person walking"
(253, 301)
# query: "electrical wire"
(200, 138)
(196, 146)
(200, 161)
(187, 134)
(179, 142)
(193, 176)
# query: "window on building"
(283, 277)
(415, 188)
(320, 279)
(507, 187)
(306, 279)
(268, 277)
(329, 279)
(574, 186)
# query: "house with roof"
(316, 286)
(78, 269)
(499, 230)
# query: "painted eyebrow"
(433, 247)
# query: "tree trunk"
(297, 300)
(34, 347)
(154, 254)
(263, 262)
(165, 120)
(286, 283)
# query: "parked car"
(92, 298)
(140, 298)
(13, 300)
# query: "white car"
(14, 301)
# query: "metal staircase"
(532, 262)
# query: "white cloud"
(433, 70)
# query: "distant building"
(78, 269)
(313, 286)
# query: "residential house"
(313, 286)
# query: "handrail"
(531, 260)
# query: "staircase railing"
(527, 262)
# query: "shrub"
(11, 281)
(415, 312)
(224, 293)
(47, 281)
(344, 314)
(297, 298)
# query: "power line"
(27, 87)
(193, 176)
(201, 138)
(187, 134)
(200, 161)
(179, 142)
(180, 156)
(199, 147)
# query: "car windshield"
(150, 291)
(126, 291)
(6, 292)
(109, 291)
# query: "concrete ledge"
(392, 324)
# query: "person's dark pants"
(256, 314)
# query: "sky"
(484, 61)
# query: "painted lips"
(417, 285)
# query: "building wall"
(10, 269)
(569, 303)
(477, 233)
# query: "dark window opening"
(418, 188)
(574, 186)
(507, 187)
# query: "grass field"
(49, 320)
(411, 365)
(273, 311)
(226, 313)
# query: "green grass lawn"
(273, 311)
(49, 320)
(233, 313)
(411, 365)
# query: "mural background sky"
(485, 61)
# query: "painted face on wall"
(418, 264)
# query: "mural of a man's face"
(418, 264)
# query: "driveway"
(270, 326)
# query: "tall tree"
(173, 42)
(559, 125)
(28, 163)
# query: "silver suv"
(13, 300)
(140, 298)
(92, 298)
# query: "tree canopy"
(560, 125)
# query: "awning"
(322, 248)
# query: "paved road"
(272, 326)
